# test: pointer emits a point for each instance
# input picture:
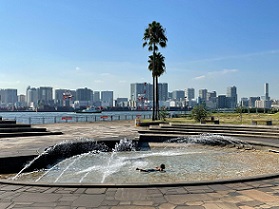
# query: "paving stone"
(225, 205)
(68, 197)
(125, 203)
(132, 207)
(260, 196)
(158, 200)
(189, 207)
(4, 205)
(131, 194)
(51, 190)
(266, 189)
(11, 187)
(37, 197)
(44, 204)
(9, 195)
(80, 191)
(109, 202)
(65, 203)
(234, 194)
(219, 187)
(241, 186)
(167, 206)
(252, 203)
(95, 191)
(195, 203)
(86, 200)
(144, 203)
(211, 206)
(182, 199)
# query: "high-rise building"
(121, 102)
(84, 94)
(64, 97)
(107, 98)
(202, 95)
(190, 94)
(222, 101)
(252, 101)
(8, 96)
(244, 102)
(266, 91)
(141, 91)
(45, 96)
(32, 97)
(211, 95)
(178, 95)
(96, 99)
(163, 91)
(231, 97)
(96, 96)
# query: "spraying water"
(193, 161)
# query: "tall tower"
(266, 92)
(232, 97)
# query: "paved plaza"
(247, 195)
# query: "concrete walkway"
(248, 195)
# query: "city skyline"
(211, 45)
(201, 93)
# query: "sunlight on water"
(184, 162)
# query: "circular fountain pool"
(185, 162)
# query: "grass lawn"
(232, 118)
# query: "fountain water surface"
(188, 159)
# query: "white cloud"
(199, 77)
(214, 74)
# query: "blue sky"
(71, 44)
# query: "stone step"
(220, 130)
(25, 134)
(195, 132)
(21, 129)
(14, 125)
(176, 130)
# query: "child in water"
(160, 168)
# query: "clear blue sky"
(97, 44)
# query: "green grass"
(231, 118)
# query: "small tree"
(199, 113)
(163, 113)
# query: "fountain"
(200, 158)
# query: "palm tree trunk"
(157, 98)
(154, 117)
(154, 112)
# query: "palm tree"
(154, 35)
(158, 67)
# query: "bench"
(210, 120)
(262, 121)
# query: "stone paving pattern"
(248, 195)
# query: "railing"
(76, 118)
